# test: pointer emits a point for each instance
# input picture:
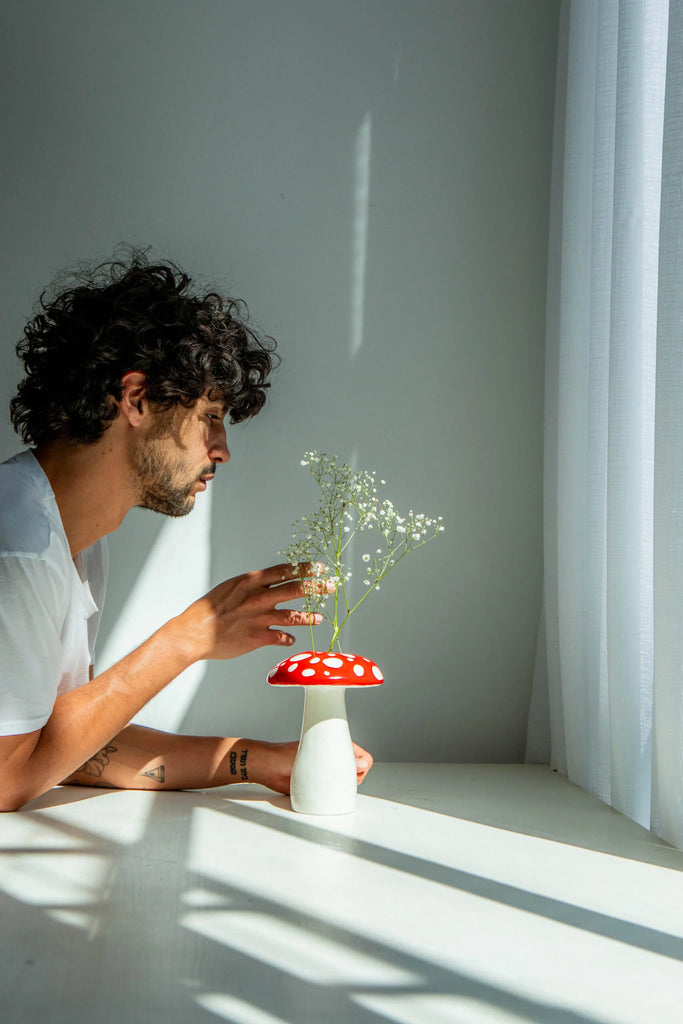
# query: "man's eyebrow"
(221, 403)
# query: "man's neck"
(91, 484)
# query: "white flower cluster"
(349, 504)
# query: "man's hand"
(271, 763)
(242, 614)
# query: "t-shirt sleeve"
(32, 597)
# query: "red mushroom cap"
(325, 668)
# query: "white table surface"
(455, 893)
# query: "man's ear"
(134, 405)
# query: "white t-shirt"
(50, 603)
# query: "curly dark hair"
(129, 314)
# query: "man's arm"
(143, 758)
(235, 617)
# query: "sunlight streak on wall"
(361, 214)
(233, 1009)
(434, 1008)
(175, 574)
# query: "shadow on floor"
(165, 943)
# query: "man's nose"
(219, 451)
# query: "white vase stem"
(324, 779)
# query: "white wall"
(373, 178)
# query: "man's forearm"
(143, 758)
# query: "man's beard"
(159, 489)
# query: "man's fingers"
(276, 574)
(245, 612)
(278, 638)
(364, 762)
(291, 617)
(293, 591)
(318, 586)
(285, 592)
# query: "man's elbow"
(22, 778)
(14, 796)
(12, 802)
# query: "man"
(129, 376)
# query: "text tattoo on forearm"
(242, 764)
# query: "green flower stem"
(377, 581)
(346, 600)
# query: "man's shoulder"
(27, 508)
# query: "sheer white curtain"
(608, 688)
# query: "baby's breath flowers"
(349, 505)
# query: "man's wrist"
(247, 760)
(240, 764)
(179, 639)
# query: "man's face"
(178, 456)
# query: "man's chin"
(174, 506)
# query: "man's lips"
(204, 478)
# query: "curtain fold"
(610, 660)
(667, 818)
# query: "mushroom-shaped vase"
(324, 778)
